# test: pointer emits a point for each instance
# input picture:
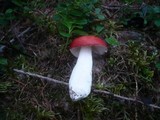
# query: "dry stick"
(9, 30)
(94, 90)
(12, 40)
(40, 76)
(21, 34)
(117, 7)
(124, 98)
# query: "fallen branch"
(10, 43)
(94, 90)
(20, 35)
(118, 7)
(125, 98)
(40, 76)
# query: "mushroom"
(80, 81)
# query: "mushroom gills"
(81, 77)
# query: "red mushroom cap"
(97, 44)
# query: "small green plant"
(152, 14)
(142, 59)
(3, 62)
(92, 107)
(112, 41)
(100, 86)
(73, 18)
(112, 61)
(4, 86)
(21, 62)
(12, 13)
(7, 16)
(158, 66)
(3, 65)
(117, 88)
(42, 114)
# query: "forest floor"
(34, 43)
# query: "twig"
(117, 7)
(9, 44)
(94, 90)
(40, 76)
(118, 96)
(9, 30)
(125, 98)
(21, 34)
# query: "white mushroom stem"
(81, 78)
